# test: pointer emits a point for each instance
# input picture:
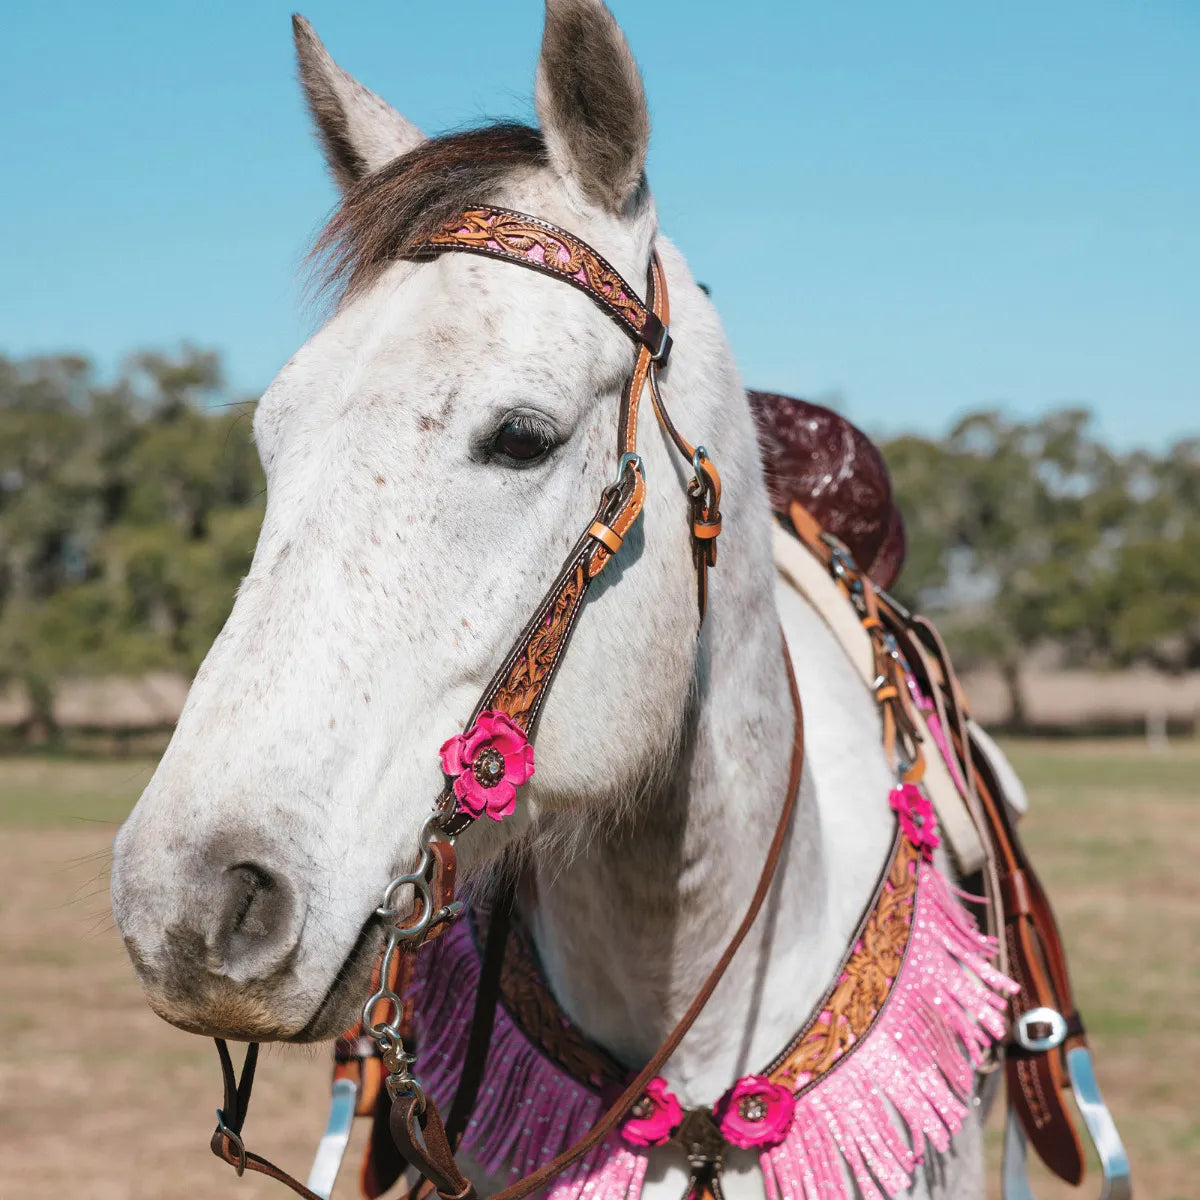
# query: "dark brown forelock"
(413, 196)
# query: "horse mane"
(414, 195)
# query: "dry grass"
(1114, 834)
(100, 1098)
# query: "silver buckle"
(236, 1140)
(662, 351)
(1040, 1016)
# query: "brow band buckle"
(656, 337)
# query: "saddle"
(815, 457)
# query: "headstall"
(495, 754)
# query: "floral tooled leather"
(865, 981)
(522, 689)
(514, 235)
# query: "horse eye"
(522, 440)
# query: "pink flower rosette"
(755, 1112)
(916, 816)
(488, 763)
(654, 1117)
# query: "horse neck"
(629, 930)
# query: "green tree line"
(129, 511)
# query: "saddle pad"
(804, 574)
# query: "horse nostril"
(257, 927)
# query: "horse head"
(430, 455)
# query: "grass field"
(100, 1098)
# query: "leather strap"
(231, 1116)
(520, 685)
(483, 1020)
(427, 1159)
(531, 242)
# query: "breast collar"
(912, 1013)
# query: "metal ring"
(700, 454)
(1040, 1016)
(380, 1030)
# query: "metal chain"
(386, 1032)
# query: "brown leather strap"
(483, 1020)
(511, 236)
(231, 1117)
(435, 1169)
(418, 1132)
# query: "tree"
(128, 515)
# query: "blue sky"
(920, 208)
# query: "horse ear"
(359, 132)
(591, 104)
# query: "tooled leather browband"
(531, 242)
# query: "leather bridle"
(518, 689)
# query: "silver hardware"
(1114, 1162)
(386, 1032)
(699, 455)
(238, 1144)
(332, 1147)
(660, 353)
(627, 459)
(1040, 1016)
(400, 1080)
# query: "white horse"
(430, 455)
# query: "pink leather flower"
(654, 1117)
(489, 762)
(755, 1112)
(917, 818)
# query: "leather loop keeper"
(1014, 891)
(704, 530)
(607, 536)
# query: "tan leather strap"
(531, 242)
(427, 1160)
(901, 736)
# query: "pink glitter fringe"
(916, 1063)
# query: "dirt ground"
(99, 1098)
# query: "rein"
(517, 691)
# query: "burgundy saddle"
(814, 456)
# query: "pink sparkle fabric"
(493, 730)
(859, 1131)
